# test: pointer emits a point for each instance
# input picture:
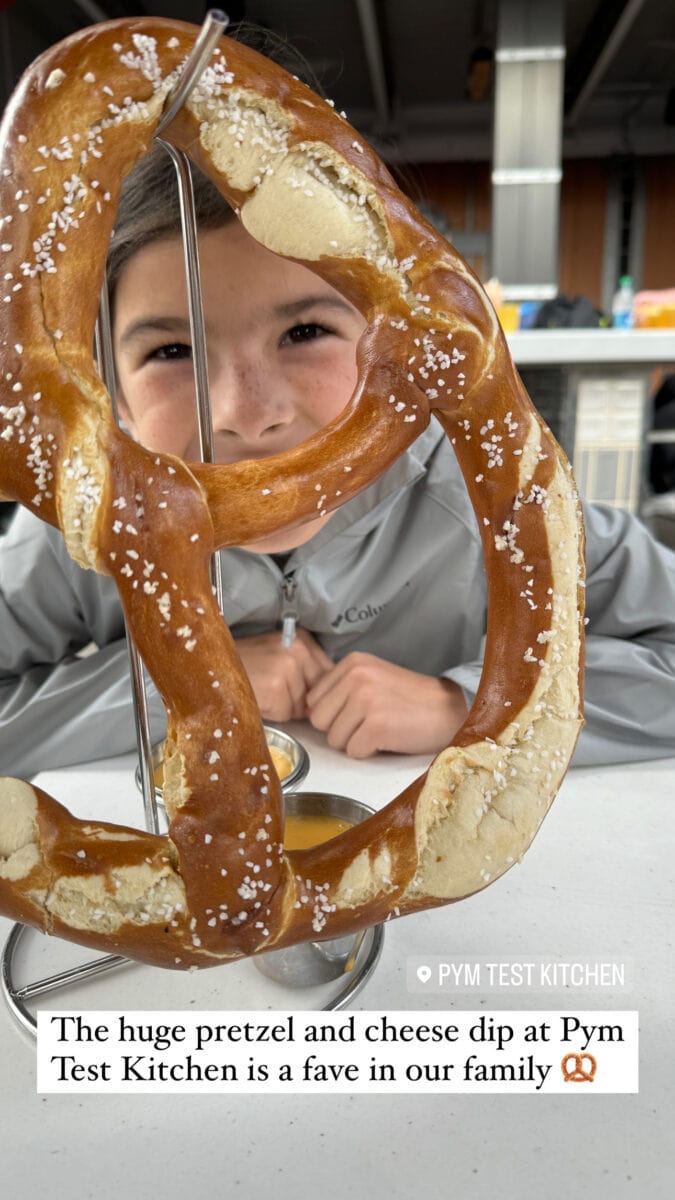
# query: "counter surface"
(597, 884)
(601, 347)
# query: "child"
(387, 594)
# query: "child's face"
(281, 351)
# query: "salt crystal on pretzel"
(306, 187)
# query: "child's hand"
(282, 676)
(365, 704)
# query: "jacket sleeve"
(57, 706)
(630, 643)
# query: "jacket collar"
(364, 511)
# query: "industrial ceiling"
(417, 78)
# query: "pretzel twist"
(306, 186)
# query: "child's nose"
(250, 403)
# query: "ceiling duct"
(598, 50)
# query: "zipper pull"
(289, 615)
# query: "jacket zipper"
(289, 613)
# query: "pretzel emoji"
(304, 184)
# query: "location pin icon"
(424, 974)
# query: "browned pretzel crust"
(306, 186)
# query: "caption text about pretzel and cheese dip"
(318, 1052)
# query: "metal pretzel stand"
(20, 998)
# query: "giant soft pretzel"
(221, 885)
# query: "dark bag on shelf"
(563, 313)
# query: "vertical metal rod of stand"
(196, 313)
(106, 364)
(214, 25)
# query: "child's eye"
(305, 333)
(171, 352)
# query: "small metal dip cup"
(311, 963)
(294, 750)
(278, 738)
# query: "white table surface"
(597, 884)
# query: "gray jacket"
(397, 572)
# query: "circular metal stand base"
(21, 999)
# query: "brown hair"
(149, 209)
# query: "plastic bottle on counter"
(622, 304)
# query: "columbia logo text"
(354, 614)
